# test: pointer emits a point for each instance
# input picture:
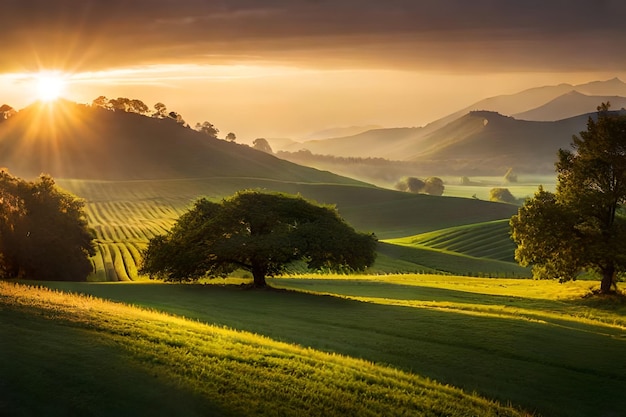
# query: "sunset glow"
(50, 85)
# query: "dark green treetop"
(582, 226)
(259, 232)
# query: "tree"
(433, 186)
(410, 184)
(231, 137)
(43, 231)
(7, 112)
(160, 111)
(583, 225)
(262, 233)
(502, 195)
(261, 144)
(208, 129)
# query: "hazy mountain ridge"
(463, 143)
(570, 104)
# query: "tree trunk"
(259, 278)
(608, 274)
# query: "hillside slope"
(484, 139)
(569, 105)
(69, 140)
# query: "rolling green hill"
(483, 240)
(63, 354)
(138, 174)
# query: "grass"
(426, 259)
(536, 344)
(65, 354)
(126, 214)
(481, 240)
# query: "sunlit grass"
(240, 373)
(539, 344)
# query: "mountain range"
(523, 131)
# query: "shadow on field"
(556, 370)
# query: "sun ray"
(50, 85)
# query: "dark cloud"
(479, 34)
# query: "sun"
(50, 85)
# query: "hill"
(478, 143)
(482, 142)
(569, 105)
(547, 103)
(64, 354)
(69, 140)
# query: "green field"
(533, 344)
(66, 355)
(126, 214)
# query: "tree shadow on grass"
(547, 366)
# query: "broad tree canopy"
(583, 225)
(43, 231)
(258, 232)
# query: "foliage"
(431, 185)
(258, 232)
(261, 144)
(208, 129)
(230, 137)
(502, 195)
(410, 184)
(581, 226)
(43, 231)
(434, 186)
(7, 112)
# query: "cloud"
(445, 35)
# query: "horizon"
(289, 69)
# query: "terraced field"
(124, 215)
(482, 240)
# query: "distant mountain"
(338, 132)
(381, 143)
(483, 141)
(569, 105)
(460, 142)
(513, 104)
(68, 140)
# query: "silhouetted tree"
(208, 129)
(261, 144)
(259, 232)
(230, 137)
(160, 111)
(581, 226)
(43, 231)
(6, 112)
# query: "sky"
(286, 68)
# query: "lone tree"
(43, 231)
(259, 232)
(583, 225)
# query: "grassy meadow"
(538, 345)
(64, 354)
(442, 325)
